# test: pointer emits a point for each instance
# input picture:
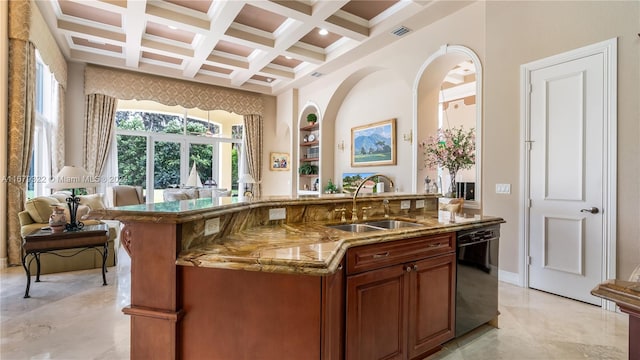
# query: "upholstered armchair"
(36, 215)
(123, 195)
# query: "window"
(156, 146)
(45, 125)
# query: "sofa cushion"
(93, 201)
(40, 208)
(176, 196)
(179, 194)
(61, 196)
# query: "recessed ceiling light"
(172, 27)
(323, 32)
(269, 80)
(288, 57)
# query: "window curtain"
(57, 153)
(22, 74)
(253, 149)
(100, 111)
(126, 85)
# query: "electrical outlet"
(503, 188)
(405, 204)
(419, 204)
(277, 214)
(212, 226)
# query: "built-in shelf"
(309, 151)
(315, 126)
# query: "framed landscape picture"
(374, 144)
(279, 161)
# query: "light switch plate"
(277, 214)
(212, 226)
(503, 188)
(419, 204)
(405, 204)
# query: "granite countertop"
(304, 247)
(308, 248)
(625, 294)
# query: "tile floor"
(71, 316)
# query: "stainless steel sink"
(375, 226)
(355, 227)
(393, 224)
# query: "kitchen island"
(222, 278)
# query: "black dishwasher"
(476, 277)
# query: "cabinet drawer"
(374, 256)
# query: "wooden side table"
(626, 294)
(45, 241)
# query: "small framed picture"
(279, 161)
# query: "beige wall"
(386, 96)
(279, 137)
(521, 32)
(4, 79)
(504, 35)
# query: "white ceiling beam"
(288, 39)
(84, 30)
(221, 18)
(134, 24)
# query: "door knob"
(593, 210)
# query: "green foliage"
(132, 150)
(132, 159)
(234, 165)
(312, 118)
(331, 187)
(308, 169)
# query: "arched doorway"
(440, 89)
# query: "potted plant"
(331, 188)
(307, 169)
(312, 118)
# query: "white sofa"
(193, 193)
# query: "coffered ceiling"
(264, 46)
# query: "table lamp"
(72, 177)
(247, 179)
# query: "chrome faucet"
(354, 210)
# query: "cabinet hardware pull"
(408, 268)
(435, 245)
(340, 267)
(415, 267)
(381, 255)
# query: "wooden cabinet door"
(431, 303)
(333, 300)
(376, 314)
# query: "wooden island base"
(215, 279)
(232, 314)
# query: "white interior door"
(566, 165)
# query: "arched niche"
(427, 97)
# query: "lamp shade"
(246, 179)
(71, 177)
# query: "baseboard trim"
(509, 277)
(4, 263)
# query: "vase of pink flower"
(453, 149)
